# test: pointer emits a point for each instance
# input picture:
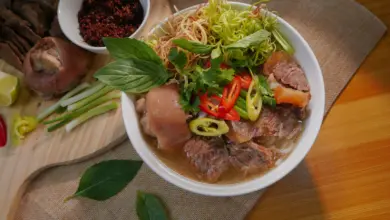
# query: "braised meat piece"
(165, 119)
(20, 26)
(7, 34)
(9, 56)
(32, 12)
(287, 71)
(54, 66)
(281, 122)
(251, 157)
(240, 131)
(208, 156)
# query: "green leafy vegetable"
(125, 48)
(178, 59)
(133, 75)
(150, 207)
(250, 40)
(90, 114)
(105, 179)
(282, 41)
(188, 102)
(266, 92)
(194, 47)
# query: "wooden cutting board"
(41, 150)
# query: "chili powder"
(109, 18)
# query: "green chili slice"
(208, 127)
(254, 101)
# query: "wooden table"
(346, 175)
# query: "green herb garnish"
(194, 47)
(105, 179)
(150, 207)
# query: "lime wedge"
(9, 89)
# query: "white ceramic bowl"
(308, 61)
(67, 17)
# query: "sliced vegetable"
(3, 132)
(212, 106)
(194, 47)
(250, 40)
(85, 108)
(230, 94)
(24, 125)
(90, 98)
(208, 127)
(254, 100)
(291, 96)
(50, 110)
(282, 41)
(94, 89)
(91, 113)
(245, 79)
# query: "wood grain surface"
(40, 150)
(346, 175)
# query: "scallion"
(85, 108)
(50, 110)
(90, 114)
(94, 89)
(90, 98)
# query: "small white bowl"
(309, 63)
(68, 20)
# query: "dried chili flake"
(109, 18)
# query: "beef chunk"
(9, 56)
(208, 156)
(20, 26)
(251, 157)
(287, 71)
(7, 34)
(5, 3)
(32, 12)
(280, 122)
(15, 50)
(240, 131)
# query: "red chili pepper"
(212, 106)
(230, 93)
(223, 66)
(246, 79)
(3, 132)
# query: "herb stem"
(50, 110)
(95, 88)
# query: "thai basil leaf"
(149, 207)
(193, 46)
(132, 75)
(179, 59)
(250, 40)
(124, 48)
(105, 179)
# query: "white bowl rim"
(92, 48)
(240, 188)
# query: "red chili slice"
(3, 132)
(207, 105)
(230, 93)
(246, 79)
(212, 106)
